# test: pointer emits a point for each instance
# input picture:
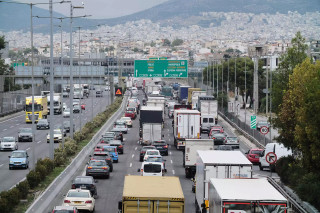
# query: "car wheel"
(10, 168)
(108, 176)
(141, 159)
(260, 167)
(111, 169)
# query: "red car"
(130, 114)
(99, 147)
(83, 106)
(216, 129)
(253, 155)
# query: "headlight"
(11, 162)
(24, 161)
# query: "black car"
(25, 134)
(66, 126)
(103, 155)
(219, 138)
(85, 182)
(98, 168)
(76, 108)
(99, 92)
(119, 135)
(118, 144)
(162, 146)
(43, 124)
(143, 151)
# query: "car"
(253, 155)
(85, 182)
(106, 138)
(113, 152)
(76, 108)
(118, 134)
(61, 127)
(170, 113)
(8, 143)
(215, 129)
(99, 147)
(80, 198)
(107, 88)
(66, 126)
(232, 141)
(65, 94)
(143, 151)
(99, 92)
(92, 87)
(98, 168)
(162, 146)
(66, 113)
(156, 158)
(118, 144)
(134, 109)
(57, 136)
(83, 106)
(64, 106)
(25, 134)
(218, 138)
(65, 209)
(127, 120)
(150, 152)
(130, 114)
(152, 169)
(224, 148)
(120, 122)
(103, 155)
(261, 124)
(75, 102)
(121, 127)
(43, 124)
(19, 159)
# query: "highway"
(10, 125)
(110, 190)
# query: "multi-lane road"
(10, 125)
(110, 190)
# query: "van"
(279, 149)
(207, 121)
(151, 169)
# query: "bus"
(40, 108)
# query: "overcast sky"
(102, 8)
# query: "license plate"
(256, 156)
(77, 202)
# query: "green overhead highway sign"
(161, 68)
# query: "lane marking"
(39, 142)
(136, 148)
(173, 172)
(132, 155)
(170, 153)
(11, 127)
(11, 118)
(171, 161)
(17, 124)
(169, 139)
(1, 165)
(130, 164)
(4, 130)
(28, 148)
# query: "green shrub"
(78, 137)
(283, 168)
(48, 163)
(4, 204)
(70, 148)
(308, 189)
(42, 171)
(59, 157)
(33, 179)
(23, 188)
(13, 196)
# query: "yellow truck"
(190, 90)
(153, 194)
(40, 108)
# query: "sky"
(100, 9)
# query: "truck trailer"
(208, 106)
(183, 93)
(150, 115)
(190, 91)
(190, 154)
(218, 164)
(153, 194)
(151, 132)
(244, 195)
(195, 97)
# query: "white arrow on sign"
(136, 73)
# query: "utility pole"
(267, 86)
(51, 153)
(255, 86)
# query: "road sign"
(161, 68)
(118, 91)
(271, 157)
(253, 122)
(264, 130)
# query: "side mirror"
(247, 152)
(95, 180)
(90, 156)
(138, 170)
(164, 160)
(120, 206)
(165, 170)
(9, 156)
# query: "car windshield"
(18, 155)
(256, 152)
(152, 153)
(232, 138)
(148, 147)
(154, 159)
(8, 139)
(67, 110)
(120, 126)
(129, 112)
(42, 122)
(27, 130)
(97, 163)
(109, 149)
(83, 180)
(101, 154)
(78, 194)
(56, 131)
(152, 168)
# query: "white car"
(8, 143)
(64, 106)
(127, 120)
(80, 198)
(57, 136)
(66, 113)
(150, 152)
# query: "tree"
(298, 119)
(166, 42)
(2, 43)
(177, 42)
(288, 61)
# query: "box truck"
(190, 154)
(244, 195)
(186, 125)
(57, 103)
(208, 106)
(195, 97)
(150, 115)
(157, 101)
(183, 93)
(190, 91)
(151, 194)
(218, 164)
(151, 132)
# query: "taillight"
(109, 159)
(105, 168)
(89, 167)
(224, 138)
(89, 201)
(213, 138)
(165, 146)
(73, 186)
(120, 146)
(102, 141)
(66, 201)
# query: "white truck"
(151, 132)
(190, 154)
(78, 91)
(208, 106)
(158, 101)
(243, 195)
(186, 126)
(218, 164)
(57, 103)
(195, 98)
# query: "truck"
(86, 89)
(219, 164)
(78, 92)
(190, 154)
(190, 91)
(151, 194)
(186, 125)
(40, 108)
(151, 132)
(208, 106)
(57, 103)
(167, 91)
(183, 93)
(157, 101)
(150, 115)
(243, 195)
(195, 97)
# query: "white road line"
(171, 161)
(17, 124)
(39, 142)
(28, 148)
(170, 153)
(11, 127)
(168, 130)
(132, 155)
(169, 139)
(1, 165)
(130, 164)
(173, 172)
(12, 118)
(136, 148)
(4, 130)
